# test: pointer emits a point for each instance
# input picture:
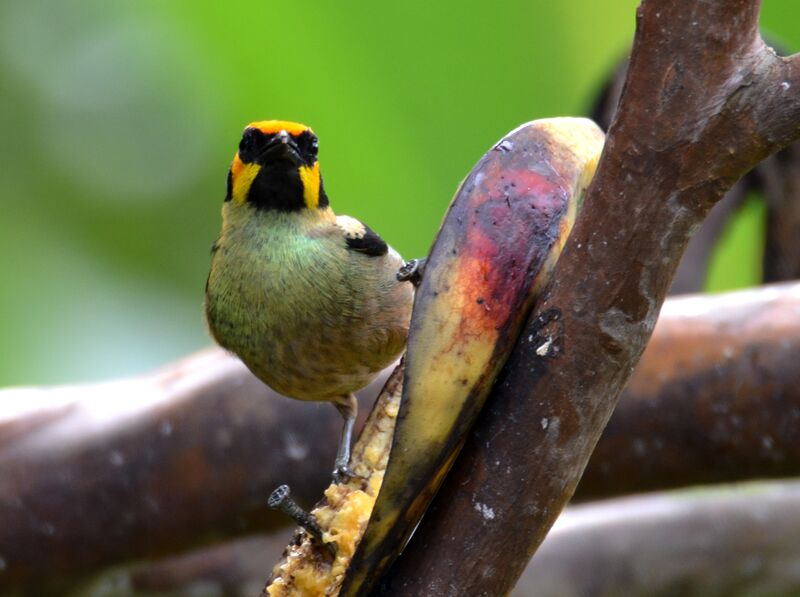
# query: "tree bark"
(99, 474)
(718, 542)
(693, 268)
(715, 543)
(779, 177)
(776, 181)
(716, 397)
(704, 101)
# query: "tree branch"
(715, 398)
(776, 179)
(720, 541)
(779, 178)
(689, 415)
(693, 267)
(98, 474)
(704, 101)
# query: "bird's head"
(276, 168)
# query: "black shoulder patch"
(369, 243)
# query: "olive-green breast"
(310, 317)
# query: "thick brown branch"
(779, 178)
(716, 397)
(98, 474)
(693, 268)
(699, 109)
(686, 417)
(715, 542)
(721, 541)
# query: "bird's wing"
(360, 237)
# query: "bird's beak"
(281, 147)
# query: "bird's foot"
(342, 473)
(412, 271)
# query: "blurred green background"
(119, 120)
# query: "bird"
(311, 302)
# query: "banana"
(308, 567)
(495, 250)
(494, 253)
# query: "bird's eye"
(249, 143)
(307, 144)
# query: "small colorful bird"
(309, 301)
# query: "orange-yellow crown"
(270, 127)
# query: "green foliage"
(119, 120)
(736, 260)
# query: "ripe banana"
(496, 248)
(494, 252)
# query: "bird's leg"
(412, 271)
(348, 408)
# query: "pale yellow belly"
(318, 331)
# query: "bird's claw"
(343, 473)
(412, 271)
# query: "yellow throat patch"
(309, 175)
(243, 176)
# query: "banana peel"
(496, 248)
